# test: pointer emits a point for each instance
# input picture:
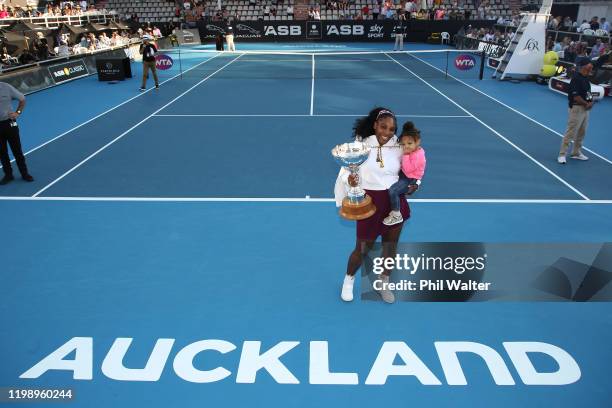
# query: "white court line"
(301, 200)
(312, 87)
(299, 115)
(513, 110)
(130, 129)
(574, 189)
(112, 109)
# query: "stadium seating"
(163, 10)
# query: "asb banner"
(68, 70)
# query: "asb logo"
(163, 62)
(345, 30)
(283, 30)
(465, 62)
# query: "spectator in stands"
(410, 8)
(83, 5)
(594, 23)
(289, 10)
(597, 47)
(554, 23)
(489, 36)
(115, 40)
(567, 24)
(6, 57)
(4, 12)
(156, 32)
(63, 50)
(375, 11)
(569, 53)
(605, 25)
(9, 133)
(148, 51)
(316, 14)
(584, 26)
(365, 11)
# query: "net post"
(180, 60)
(482, 64)
(446, 70)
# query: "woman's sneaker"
(347, 288)
(394, 217)
(385, 293)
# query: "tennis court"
(204, 210)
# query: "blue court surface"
(204, 211)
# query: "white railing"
(100, 17)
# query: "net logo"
(283, 30)
(345, 30)
(465, 62)
(163, 62)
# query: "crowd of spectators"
(415, 9)
(487, 34)
(569, 50)
(63, 8)
(566, 24)
(40, 48)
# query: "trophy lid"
(351, 153)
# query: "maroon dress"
(370, 228)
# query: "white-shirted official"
(9, 133)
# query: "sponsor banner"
(68, 70)
(314, 30)
(493, 62)
(380, 30)
(163, 62)
(188, 36)
(475, 271)
(113, 69)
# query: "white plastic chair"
(444, 36)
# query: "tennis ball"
(548, 71)
(551, 58)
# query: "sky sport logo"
(163, 62)
(465, 62)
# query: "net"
(306, 64)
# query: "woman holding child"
(394, 167)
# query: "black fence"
(333, 31)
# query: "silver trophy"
(357, 205)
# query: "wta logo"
(465, 62)
(163, 62)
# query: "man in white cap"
(148, 51)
